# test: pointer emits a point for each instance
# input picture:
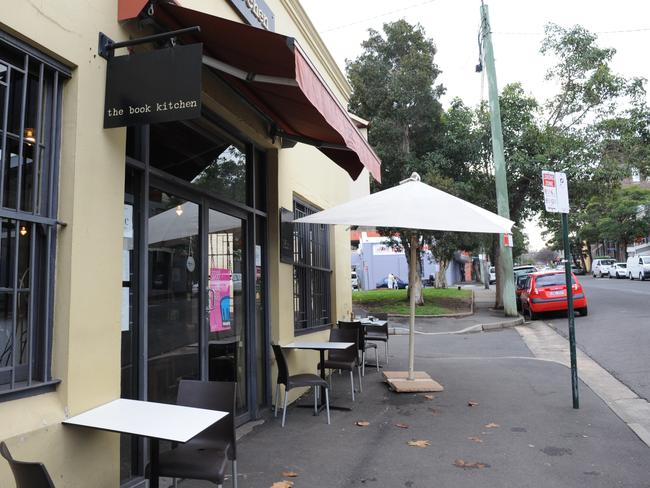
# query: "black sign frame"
(154, 86)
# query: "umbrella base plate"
(398, 381)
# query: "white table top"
(374, 322)
(149, 419)
(318, 345)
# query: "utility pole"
(507, 280)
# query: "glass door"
(173, 294)
(226, 303)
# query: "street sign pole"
(556, 200)
(569, 296)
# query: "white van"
(638, 267)
(600, 267)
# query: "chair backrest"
(283, 369)
(27, 474)
(212, 395)
(381, 315)
(343, 335)
(358, 328)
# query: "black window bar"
(311, 271)
(30, 100)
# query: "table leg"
(154, 451)
(321, 404)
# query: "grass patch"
(437, 301)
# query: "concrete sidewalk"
(522, 432)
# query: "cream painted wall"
(86, 336)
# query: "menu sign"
(152, 87)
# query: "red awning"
(275, 75)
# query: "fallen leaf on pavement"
(362, 423)
(402, 426)
(429, 397)
(475, 439)
(460, 463)
(282, 484)
(472, 404)
(491, 425)
(289, 474)
(419, 443)
(434, 411)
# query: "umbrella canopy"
(413, 205)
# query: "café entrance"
(194, 280)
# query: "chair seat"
(370, 345)
(305, 379)
(216, 444)
(187, 461)
(334, 364)
(372, 336)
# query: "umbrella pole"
(412, 271)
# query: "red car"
(546, 292)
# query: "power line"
(385, 14)
(621, 31)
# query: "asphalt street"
(616, 333)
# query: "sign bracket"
(106, 46)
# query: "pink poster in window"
(220, 286)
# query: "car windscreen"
(607, 262)
(557, 279)
(621, 265)
(646, 260)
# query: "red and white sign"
(507, 240)
(556, 192)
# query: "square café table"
(149, 419)
(321, 347)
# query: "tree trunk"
(416, 286)
(441, 278)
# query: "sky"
(517, 27)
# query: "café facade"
(147, 190)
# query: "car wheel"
(531, 315)
(631, 277)
(609, 275)
(583, 311)
(641, 278)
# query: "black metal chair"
(205, 456)
(379, 333)
(344, 359)
(27, 474)
(296, 381)
(362, 344)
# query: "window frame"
(311, 271)
(38, 215)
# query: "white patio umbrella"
(413, 205)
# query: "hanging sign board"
(286, 236)
(556, 192)
(152, 87)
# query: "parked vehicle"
(383, 283)
(577, 270)
(492, 272)
(638, 267)
(355, 280)
(520, 285)
(618, 270)
(524, 270)
(546, 292)
(600, 267)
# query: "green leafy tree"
(394, 86)
(621, 216)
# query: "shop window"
(30, 107)
(311, 272)
(202, 154)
